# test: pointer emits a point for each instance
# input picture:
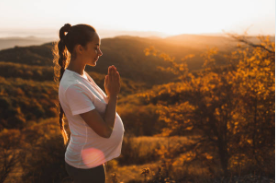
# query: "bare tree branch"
(243, 40)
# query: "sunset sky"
(168, 17)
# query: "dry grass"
(141, 150)
(143, 157)
(139, 153)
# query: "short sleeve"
(78, 101)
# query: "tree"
(230, 106)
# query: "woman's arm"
(103, 124)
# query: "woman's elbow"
(108, 133)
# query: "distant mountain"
(146, 34)
(47, 35)
(222, 42)
(11, 42)
(198, 40)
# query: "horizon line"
(108, 33)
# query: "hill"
(27, 72)
(212, 121)
(127, 54)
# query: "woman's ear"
(79, 49)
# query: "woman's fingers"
(108, 70)
(113, 73)
(110, 73)
(117, 76)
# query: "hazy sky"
(170, 16)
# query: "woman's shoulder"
(77, 85)
(70, 81)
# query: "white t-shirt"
(86, 149)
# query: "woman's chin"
(92, 64)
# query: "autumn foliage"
(231, 107)
(218, 119)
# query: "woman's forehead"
(96, 38)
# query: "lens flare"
(92, 157)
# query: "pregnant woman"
(96, 129)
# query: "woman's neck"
(77, 67)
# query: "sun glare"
(194, 17)
(173, 17)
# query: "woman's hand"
(112, 82)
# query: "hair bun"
(67, 27)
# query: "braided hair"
(64, 51)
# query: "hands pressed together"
(112, 82)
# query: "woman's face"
(93, 51)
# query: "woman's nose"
(100, 53)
